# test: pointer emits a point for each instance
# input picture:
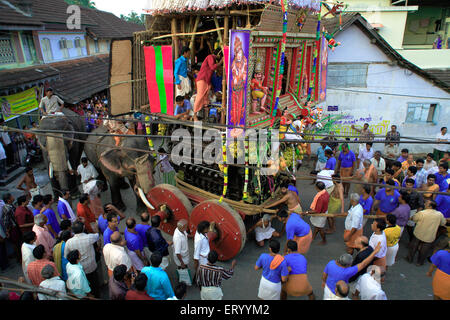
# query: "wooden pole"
(219, 34)
(174, 38)
(191, 44)
(183, 30)
(224, 78)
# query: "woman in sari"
(58, 253)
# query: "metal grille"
(6, 52)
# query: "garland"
(283, 49)
(225, 166)
(149, 140)
(245, 195)
(317, 45)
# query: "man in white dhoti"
(263, 229)
(182, 82)
(369, 285)
(87, 172)
(275, 272)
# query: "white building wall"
(54, 38)
(384, 101)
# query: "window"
(63, 45)
(7, 55)
(29, 51)
(421, 112)
(97, 50)
(347, 75)
(47, 49)
(77, 42)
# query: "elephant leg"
(116, 197)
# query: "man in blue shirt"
(112, 227)
(216, 80)
(443, 204)
(183, 108)
(321, 158)
(156, 242)
(141, 229)
(182, 82)
(275, 272)
(52, 223)
(331, 161)
(135, 245)
(297, 284)
(158, 284)
(341, 269)
(442, 177)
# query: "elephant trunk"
(144, 173)
(58, 163)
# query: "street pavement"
(404, 281)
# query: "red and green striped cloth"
(160, 78)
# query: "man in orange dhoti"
(203, 81)
(345, 166)
(353, 223)
(297, 284)
(440, 261)
(319, 205)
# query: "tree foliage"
(83, 3)
(134, 17)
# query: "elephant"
(117, 164)
(61, 156)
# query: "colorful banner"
(18, 103)
(226, 55)
(237, 80)
(323, 70)
(306, 72)
(160, 79)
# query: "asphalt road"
(404, 281)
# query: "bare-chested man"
(289, 198)
(31, 188)
(336, 203)
(368, 174)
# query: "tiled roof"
(52, 14)
(73, 80)
(107, 25)
(79, 79)
(442, 75)
(14, 77)
(10, 16)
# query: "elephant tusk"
(50, 170)
(69, 166)
(144, 199)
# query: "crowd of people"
(79, 253)
(421, 207)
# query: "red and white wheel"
(230, 229)
(177, 205)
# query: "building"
(369, 81)
(39, 48)
(410, 27)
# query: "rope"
(43, 133)
(187, 123)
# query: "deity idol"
(239, 78)
(259, 93)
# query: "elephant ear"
(112, 160)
